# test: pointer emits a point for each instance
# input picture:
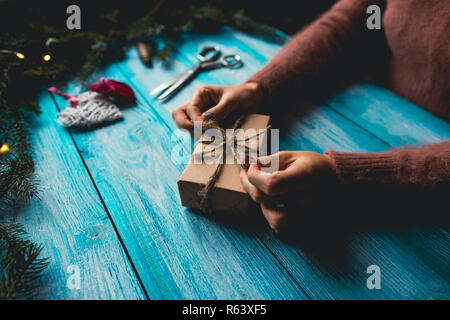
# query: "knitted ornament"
(113, 88)
(95, 106)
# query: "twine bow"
(238, 145)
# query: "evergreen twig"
(20, 265)
(80, 54)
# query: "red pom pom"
(113, 88)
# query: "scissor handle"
(232, 61)
(209, 54)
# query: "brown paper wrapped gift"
(227, 195)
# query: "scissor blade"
(189, 74)
(166, 85)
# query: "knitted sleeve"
(425, 166)
(322, 51)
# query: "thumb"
(219, 111)
(278, 160)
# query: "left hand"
(303, 179)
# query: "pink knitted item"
(72, 99)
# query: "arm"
(318, 57)
(324, 52)
(308, 183)
(426, 166)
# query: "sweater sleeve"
(314, 56)
(425, 166)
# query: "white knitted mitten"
(93, 108)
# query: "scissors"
(208, 60)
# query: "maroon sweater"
(416, 34)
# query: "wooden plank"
(293, 259)
(70, 221)
(400, 122)
(178, 254)
(397, 121)
(405, 275)
(410, 124)
(432, 245)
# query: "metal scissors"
(208, 60)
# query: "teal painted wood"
(178, 254)
(432, 246)
(399, 122)
(403, 271)
(320, 286)
(388, 116)
(70, 221)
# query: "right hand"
(216, 102)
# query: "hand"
(288, 195)
(216, 102)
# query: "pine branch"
(20, 262)
(80, 54)
(17, 181)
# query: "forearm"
(315, 55)
(426, 166)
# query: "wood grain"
(182, 255)
(327, 131)
(178, 254)
(70, 222)
(393, 119)
(400, 123)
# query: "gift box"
(227, 194)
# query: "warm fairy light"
(4, 148)
(47, 57)
(20, 55)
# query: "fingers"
(181, 118)
(220, 111)
(280, 159)
(194, 112)
(257, 195)
(271, 183)
(289, 174)
(204, 97)
(266, 182)
(276, 218)
(215, 102)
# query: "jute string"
(206, 192)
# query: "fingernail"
(208, 115)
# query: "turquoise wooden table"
(109, 210)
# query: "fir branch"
(80, 54)
(247, 24)
(19, 261)
(17, 181)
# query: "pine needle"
(20, 265)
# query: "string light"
(4, 148)
(21, 56)
(17, 54)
